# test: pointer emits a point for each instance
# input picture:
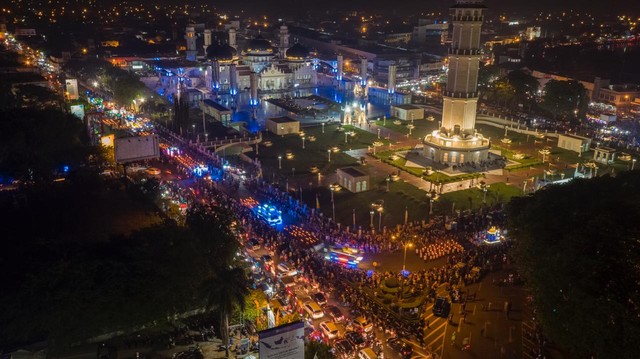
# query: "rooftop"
(574, 136)
(352, 171)
(283, 119)
(216, 105)
(407, 107)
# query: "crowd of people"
(454, 238)
(439, 249)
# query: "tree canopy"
(562, 98)
(69, 290)
(35, 143)
(577, 246)
(314, 349)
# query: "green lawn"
(400, 162)
(472, 198)
(400, 196)
(314, 153)
(422, 127)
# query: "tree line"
(518, 91)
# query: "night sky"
(611, 7)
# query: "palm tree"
(226, 289)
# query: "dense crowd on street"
(456, 238)
(466, 261)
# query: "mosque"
(220, 66)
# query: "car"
(266, 259)
(335, 313)
(404, 349)
(356, 339)
(288, 281)
(441, 307)
(284, 269)
(344, 349)
(319, 298)
(267, 289)
(313, 310)
(269, 214)
(362, 324)
(329, 330)
(367, 353)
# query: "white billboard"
(78, 111)
(130, 149)
(72, 89)
(283, 342)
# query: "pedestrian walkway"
(381, 170)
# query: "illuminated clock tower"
(456, 141)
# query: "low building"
(407, 112)
(353, 179)
(283, 125)
(604, 155)
(217, 111)
(574, 143)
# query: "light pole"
(346, 133)
(329, 153)
(333, 204)
(371, 213)
(279, 162)
(633, 164)
(380, 210)
(204, 126)
(404, 261)
(484, 195)
(303, 142)
(378, 133)
(388, 180)
(323, 127)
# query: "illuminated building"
(456, 141)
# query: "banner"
(283, 342)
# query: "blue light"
(65, 169)
(201, 170)
(270, 214)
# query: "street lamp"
(484, 195)
(388, 180)
(329, 153)
(333, 203)
(323, 127)
(371, 213)
(404, 261)
(380, 210)
(303, 142)
(279, 162)
(633, 164)
(378, 133)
